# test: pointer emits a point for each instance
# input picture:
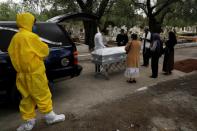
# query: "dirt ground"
(186, 66)
(168, 106)
(94, 104)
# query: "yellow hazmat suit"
(27, 53)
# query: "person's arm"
(104, 41)
(127, 47)
(153, 46)
(126, 39)
(100, 41)
(39, 48)
(117, 38)
(167, 44)
(148, 37)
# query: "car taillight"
(75, 57)
(64, 62)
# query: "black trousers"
(97, 68)
(146, 56)
(154, 65)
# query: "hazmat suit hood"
(25, 21)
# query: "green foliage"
(117, 12)
(123, 13)
(183, 14)
(59, 7)
(46, 9)
(8, 11)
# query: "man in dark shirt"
(122, 38)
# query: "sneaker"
(52, 118)
(27, 126)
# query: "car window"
(6, 34)
(54, 33)
(51, 33)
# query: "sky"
(16, 1)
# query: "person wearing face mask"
(168, 63)
(156, 49)
(99, 40)
(122, 38)
(133, 59)
(27, 53)
(146, 39)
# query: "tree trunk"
(90, 30)
(154, 25)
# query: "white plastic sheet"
(109, 55)
(109, 51)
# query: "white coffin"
(109, 55)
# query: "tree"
(8, 10)
(187, 10)
(155, 11)
(46, 9)
(60, 7)
(95, 7)
(130, 17)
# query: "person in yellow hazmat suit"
(27, 53)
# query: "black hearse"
(61, 62)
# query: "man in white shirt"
(99, 44)
(146, 39)
(98, 40)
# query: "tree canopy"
(156, 13)
(130, 18)
(168, 12)
(183, 14)
(8, 10)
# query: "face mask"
(34, 29)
